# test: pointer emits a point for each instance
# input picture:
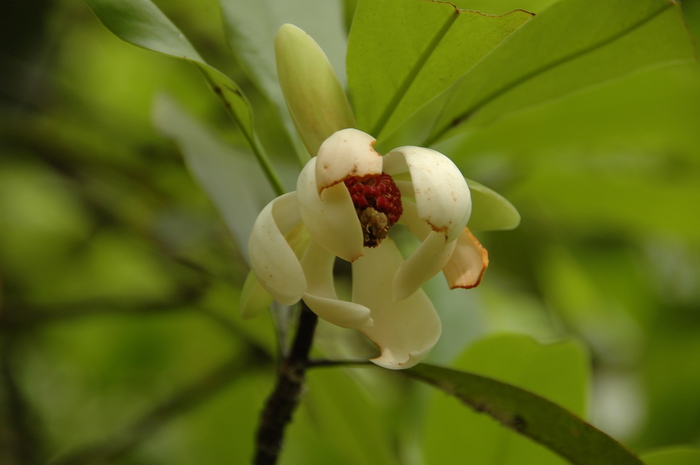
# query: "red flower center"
(377, 202)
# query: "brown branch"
(283, 401)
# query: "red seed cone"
(377, 201)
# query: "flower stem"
(266, 166)
(283, 401)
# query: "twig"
(323, 363)
(283, 401)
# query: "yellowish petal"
(272, 258)
(404, 330)
(468, 262)
(331, 218)
(430, 257)
(321, 296)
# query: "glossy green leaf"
(230, 177)
(672, 456)
(558, 372)
(524, 411)
(652, 111)
(490, 210)
(571, 45)
(613, 158)
(141, 23)
(402, 54)
(495, 7)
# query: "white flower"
(347, 200)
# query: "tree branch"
(283, 401)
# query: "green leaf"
(558, 372)
(495, 7)
(141, 23)
(523, 411)
(571, 45)
(230, 177)
(613, 201)
(402, 54)
(672, 456)
(490, 210)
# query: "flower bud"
(314, 96)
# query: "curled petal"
(403, 330)
(468, 262)
(430, 257)
(272, 258)
(348, 152)
(441, 193)
(331, 218)
(320, 294)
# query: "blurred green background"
(120, 340)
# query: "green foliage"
(141, 23)
(401, 55)
(559, 52)
(556, 372)
(120, 333)
(672, 456)
(224, 172)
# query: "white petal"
(468, 262)
(441, 193)
(403, 330)
(430, 257)
(320, 294)
(273, 260)
(348, 152)
(331, 218)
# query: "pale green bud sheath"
(314, 96)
